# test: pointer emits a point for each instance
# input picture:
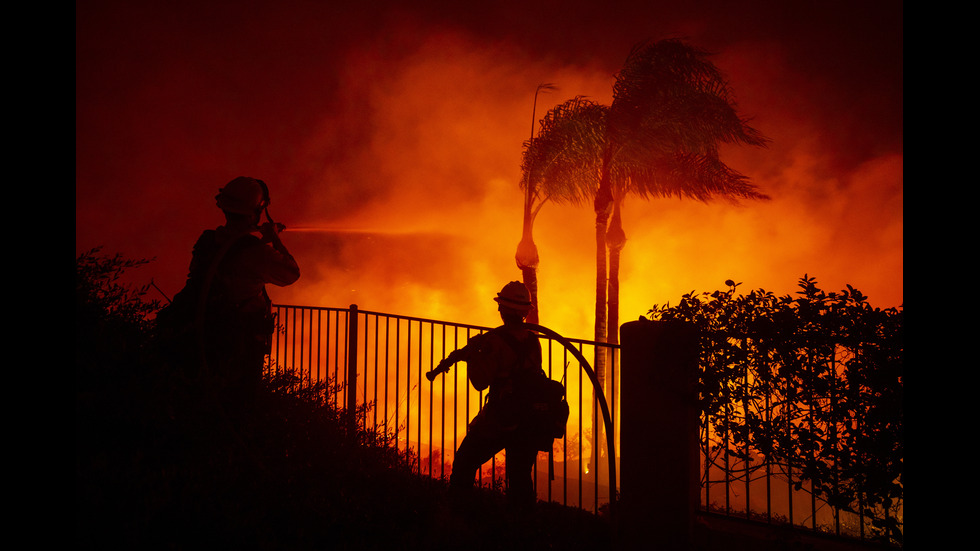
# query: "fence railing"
(386, 357)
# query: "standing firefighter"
(506, 359)
(222, 318)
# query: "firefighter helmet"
(515, 296)
(243, 195)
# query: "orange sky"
(407, 125)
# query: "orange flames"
(437, 237)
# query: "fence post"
(352, 366)
(659, 433)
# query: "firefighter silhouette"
(502, 359)
(223, 311)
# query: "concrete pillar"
(659, 471)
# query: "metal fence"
(386, 356)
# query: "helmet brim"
(518, 306)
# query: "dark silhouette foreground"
(167, 467)
(221, 321)
(507, 360)
(160, 462)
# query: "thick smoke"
(446, 125)
(402, 131)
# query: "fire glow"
(444, 232)
(393, 155)
(417, 155)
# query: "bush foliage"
(810, 383)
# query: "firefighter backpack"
(545, 397)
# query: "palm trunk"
(603, 204)
(602, 208)
(599, 362)
(615, 240)
(527, 260)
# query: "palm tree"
(527, 252)
(671, 110)
(562, 163)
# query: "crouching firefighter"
(506, 359)
(221, 322)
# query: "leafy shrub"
(812, 383)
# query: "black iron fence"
(376, 364)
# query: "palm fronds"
(563, 161)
